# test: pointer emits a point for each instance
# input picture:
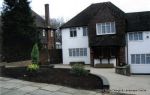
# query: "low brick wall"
(124, 70)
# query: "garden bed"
(55, 76)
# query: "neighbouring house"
(40, 23)
(105, 35)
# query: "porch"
(108, 56)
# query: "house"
(40, 22)
(104, 35)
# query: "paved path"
(10, 86)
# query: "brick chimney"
(47, 17)
(50, 35)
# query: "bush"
(79, 70)
(35, 54)
(33, 67)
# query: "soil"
(57, 76)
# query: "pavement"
(119, 85)
(9, 86)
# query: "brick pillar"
(50, 39)
(92, 57)
(121, 58)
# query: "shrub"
(33, 67)
(35, 54)
(79, 70)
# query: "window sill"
(105, 34)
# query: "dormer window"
(73, 32)
(105, 28)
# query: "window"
(43, 33)
(140, 58)
(135, 36)
(147, 58)
(78, 52)
(73, 32)
(85, 31)
(132, 58)
(105, 28)
(52, 33)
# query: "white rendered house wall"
(79, 41)
(139, 47)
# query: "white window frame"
(135, 36)
(139, 60)
(101, 26)
(73, 30)
(77, 52)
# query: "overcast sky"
(69, 8)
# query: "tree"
(35, 54)
(19, 29)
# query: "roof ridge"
(137, 12)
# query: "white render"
(139, 47)
(74, 42)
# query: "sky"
(69, 8)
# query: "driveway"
(134, 84)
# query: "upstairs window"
(105, 28)
(85, 31)
(135, 36)
(73, 32)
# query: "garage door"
(140, 63)
(140, 68)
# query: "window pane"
(74, 52)
(107, 27)
(70, 52)
(75, 33)
(130, 36)
(85, 31)
(103, 28)
(77, 51)
(137, 58)
(85, 51)
(71, 34)
(98, 27)
(136, 36)
(142, 58)
(81, 51)
(132, 58)
(140, 36)
(113, 28)
(147, 58)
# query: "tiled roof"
(83, 18)
(138, 21)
